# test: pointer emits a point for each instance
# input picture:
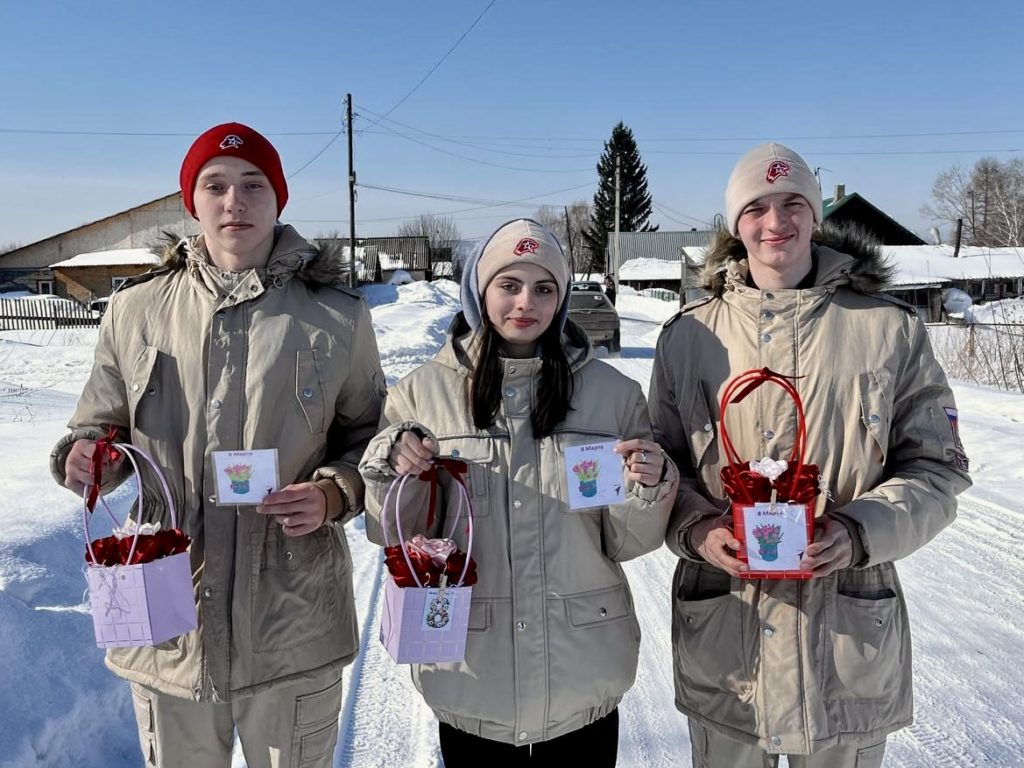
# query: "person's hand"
(78, 465)
(712, 539)
(300, 508)
(411, 454)
(644, 460)
(830, 551)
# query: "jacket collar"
(291, 256)
(845, 255)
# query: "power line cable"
(438, 64)
(523, 201)
(471, 145)
(478, 161)
(313, 159)
(667, 212)
(48, 132)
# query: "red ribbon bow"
(104, 451)
(457, 469)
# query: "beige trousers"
(715, 750)
(291, 726)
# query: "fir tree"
(634, 199)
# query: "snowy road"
(60, 707)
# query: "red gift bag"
(773, 520)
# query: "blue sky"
(535, 87)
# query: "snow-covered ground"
(60, 707)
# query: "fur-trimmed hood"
(292, 256)
(856, 259)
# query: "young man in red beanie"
(244, 339)
(819, 668)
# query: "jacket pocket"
(700, 425)
(864, 632)
(479, 616)
(482, 478)
(143, 389)
(309, 390)
(876, 407)
(593, 647)
(709, 648)
(146, 723)
(296, 588)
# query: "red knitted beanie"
(234, 140)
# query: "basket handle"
(743, 385)
(456, 469)
(128, 449)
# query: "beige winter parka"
(191, 360)
(799, 666)
(553, 637)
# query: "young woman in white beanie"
(817, 669)
(553, 638)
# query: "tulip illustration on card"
(245, 477)
(775, 536)
(593, 473)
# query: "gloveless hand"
(300, 508)
(411, 454)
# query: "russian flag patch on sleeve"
(954, 425)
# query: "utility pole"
(682, 277)
(568, 236)
(618, 196)
(351, 198)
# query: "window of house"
(117, 282)
(44, 286)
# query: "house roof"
(657, 245)
(118, 258)
(89, 224)
(855, 207)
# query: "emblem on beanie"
(231, 141)
(776, 171)
(526, 245)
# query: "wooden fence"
(990, 353)
(39, 314)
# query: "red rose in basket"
(754, 484)
(424, 560)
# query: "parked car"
(587, 285)
(592, 311)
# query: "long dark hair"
(554, 393)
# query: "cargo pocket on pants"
(870, 757)
(316, 727)
(147, 728)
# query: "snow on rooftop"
(118, 258)
(915, 264)
(927, 264)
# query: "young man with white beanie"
(818, 669)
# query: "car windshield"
(586, 300)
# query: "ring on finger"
(643, 456)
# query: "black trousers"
(595, 746)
